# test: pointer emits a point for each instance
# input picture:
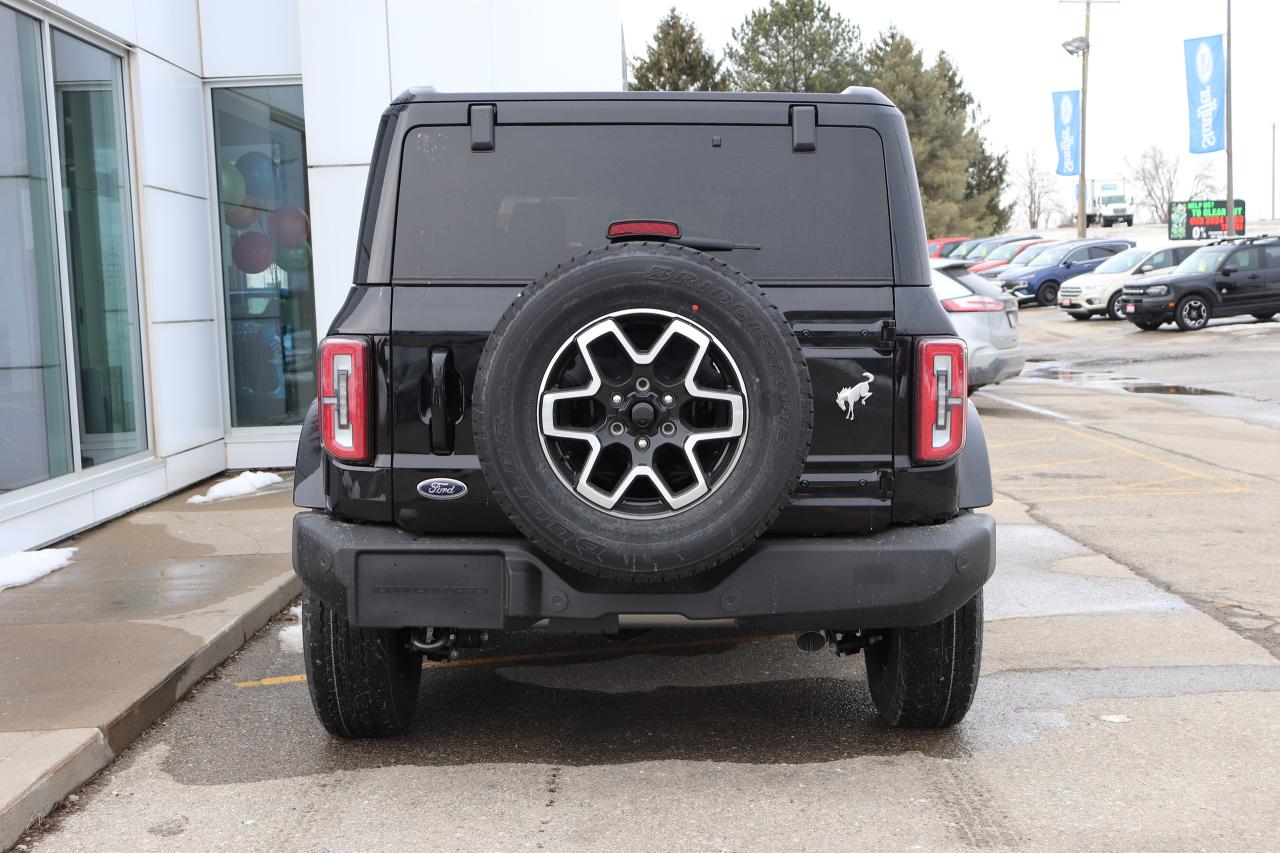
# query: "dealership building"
(180, 184)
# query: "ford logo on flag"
(442, 488)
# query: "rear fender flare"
(308, 470)
(974, 465)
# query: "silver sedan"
(986, 317)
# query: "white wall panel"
(170, 29)
(344, 76)
(177, 267)
(248, 38)
(120, 497)
(187, 394)
(336, 195)
(112, 17)
(191, 466)
(170, 115)
(439, 43)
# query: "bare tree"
(1204, 184)
(1156, 176)
(1035, 192)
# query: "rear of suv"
(660, 356)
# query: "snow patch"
(291, 635)
(1116, 718)
(246, 484)
(27, 566)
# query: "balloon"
(295, 258)
(230, 184)
(258, 171)
(288, 225)
(253, 252)
(245, 215)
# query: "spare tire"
(642, 412)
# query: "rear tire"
(925, 678)
(1076, 315)
(363, 682)
(1048, 293)
(1264, 316)
(1147, 325)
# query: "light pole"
(1079, 46)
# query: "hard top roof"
(852, 95)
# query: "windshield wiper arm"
(711, 244)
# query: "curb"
(55, 763)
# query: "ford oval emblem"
(442, 488)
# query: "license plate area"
(429, 590)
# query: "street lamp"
(1079, 46)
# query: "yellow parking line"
(506, 660)
(1148, 457)
(1230, 490)
(1025, 441)
(1055, 462)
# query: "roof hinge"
(885, 489)
(804, 128)
(482, 119)
(888, 333)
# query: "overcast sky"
(1010, 54)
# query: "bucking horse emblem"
(859, 393)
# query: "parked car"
(597, 419)
(941, 247)
(1101, 292)
(989, 245)
(965, 248)
(1225, 278)
(1003, 255)
(1040, 279)
(986, 317)
(1020, 260)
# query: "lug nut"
(616, 428)
(668, 429)
(667, 399)
(642, 443)
(616, 399)
(642, 384)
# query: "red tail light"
(344, 398)
(643, 228)
(942, 390)
(963, 304)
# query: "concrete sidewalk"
(94, 653)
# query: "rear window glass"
(547, 193)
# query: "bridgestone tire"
(654, 277)
(363, 682)
(925, 678)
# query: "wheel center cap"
(642, 415)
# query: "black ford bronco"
(614, 358)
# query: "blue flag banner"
(1206, 99)
(1066, 130)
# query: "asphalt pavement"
(1130, 697)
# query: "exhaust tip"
(812, 641)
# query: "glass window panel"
(261, 151)
(89, 97)
(35, 423)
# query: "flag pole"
(1082, 209)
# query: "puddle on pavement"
(1110, 379)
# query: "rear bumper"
(989, 365)
(383, 577)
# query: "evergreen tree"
(794, 46)
(960, 180)
(677, 60)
